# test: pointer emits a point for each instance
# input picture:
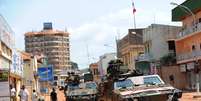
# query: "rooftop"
(178, 13)
(47, 32)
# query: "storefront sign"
(190, 65)
(183, 68)
(17, 64)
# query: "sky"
(94, 25)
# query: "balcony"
(190, 56)
(144, 57)
(189, 30)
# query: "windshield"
(124, 84)
(73, 87)
(152, 80)
(91, 85)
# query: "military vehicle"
(83, 92)
(144, 88)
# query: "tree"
(168, 60)
(74, 65)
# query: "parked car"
(85, 92)
(144, 88)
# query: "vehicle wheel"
(175, 98)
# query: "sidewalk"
(188, 96)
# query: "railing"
(189, 55)
(189, 30)
(144, 57)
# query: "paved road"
(189, 97)
(185, 97)
(60, 96)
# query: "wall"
(180, 81)
(188, 21)
(103, 62)
(185, 45)
(155, 38)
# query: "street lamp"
(187, 10)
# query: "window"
(152, 80)
(193, 47)
(200, 45)
(199, 20)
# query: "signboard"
(190, 66)
(17, 64)
(47, 25)
(6, 33)
(45, 73)
(4, 86)
(183, 68)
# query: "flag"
(134, 10)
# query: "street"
(187, 96)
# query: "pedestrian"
(53, 95)
(23, 94)
(13, 93)
(34, 95)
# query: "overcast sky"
(91, 23)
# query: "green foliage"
(168, 60)
(4, 76)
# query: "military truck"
(83, 92)
(88, 77)
(144, 88)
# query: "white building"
(159, 40)
(103, 62)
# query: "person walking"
(53, 95)
(23, 94)
(34, 95)
(13, 93)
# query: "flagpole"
(134, 22)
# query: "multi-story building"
(103, 62)
(54, 44)
(130, 46)
(30, 65)
(6, 60)
(93, 67)
(188, 43)
(6, 44)
(159, 41)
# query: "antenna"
(66, 30)
(87, 47)
(118, 34)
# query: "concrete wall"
(180, 80)
(155, 38)
(103, 62)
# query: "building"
(8, 74)
(130, 46)
(6, 44)
(30, 66)
(103, 62)
(188, 43)
(159, 41)
(94, 70)
(54, 44)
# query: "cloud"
(103, 30)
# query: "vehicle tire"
(175, 98)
